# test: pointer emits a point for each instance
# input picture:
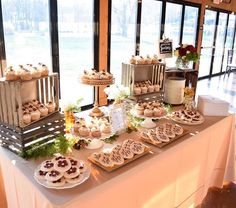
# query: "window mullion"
(2, 44)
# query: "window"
(150, 26)
(75, 25)
(123, 31)
(26, 32)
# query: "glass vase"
(69, 120)
(182, 64)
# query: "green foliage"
(192, 57)
(60, 145)
(111, 139)
(133, 122)
(75, 108)
(168, 108)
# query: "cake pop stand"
(96, 112)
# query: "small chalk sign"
(165, 48)
(118, 119)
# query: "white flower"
(117, 92)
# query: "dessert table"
(177, 175)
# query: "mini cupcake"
(148, 112)
(137, 90)
(141, 60)
(84, 131)
(95, 132)
(51, 107)
(150, 88)
(155, 59)
(35, 102)
(157, 112)
(133, 60)
(35, 73)
(105, 128)
(11, 74)
(26, 118)
(43, 69)
(144, 89)
(35, 114)
(25, 74)
(43, 110)
(140, 110)
(148, 60)
(155, 104)
(156, 88)
(29, 67)
(77, 125)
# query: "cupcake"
(35, 102)
(26, 118)
(84, 131)
(139, 110)
(150, 88)
(105, 128)
(35, 73)
(10, 74)
(137, 90)
(25, 74)
(133, 60)
(43, 69)
(43, 110)
(77, 125)
(35, 114)
(157, 112)
(95, 132)
(29, 67)
(144, 89)
(148, 60)
(156, 88)
(141, 60)
(155, 59)
(155, 104)
(51, 107)
(148, 112)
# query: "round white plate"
(187, 122)
(84, 177)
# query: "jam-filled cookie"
(76, 179)
(57, 183)
(62, 165)
(47, 165)
(72, 172)
(40, 174)
(53, 175)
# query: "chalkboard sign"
(165, 48)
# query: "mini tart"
(62, 165)
(39, 174)
(148, 112)
(77, 179)
(35, 72)
(84, 131)
(72, 172)
(116, 158)
(137, 147)
(178, 130)
(25, 74)
(105, 160)
(57, 183)
(126, 153)
(137, 90)
(26, 118)
(47, 165)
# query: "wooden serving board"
(163, 144)
(110, 169)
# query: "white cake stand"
(95, 144)
(148, 123)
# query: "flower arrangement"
(117, 93)
(185, 53)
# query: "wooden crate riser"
(22, 139)
(15, 93)
(132, 74)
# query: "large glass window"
(123, 34)
(75, 25)
(207, 42)
(150, 26)
(190, 25)
(26, 31)
(219, 47)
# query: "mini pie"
(47, 165)
(53, 175)
(72, 172)
(62, 165)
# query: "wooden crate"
(20, 139)
(13, 94)
(132, 73)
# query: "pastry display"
(145, 87)
(119, 155)
(152, 109)
(26, 72)
(97, 77)
(189, 117)
(144, 60)
(163, 134)
(62, 171)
